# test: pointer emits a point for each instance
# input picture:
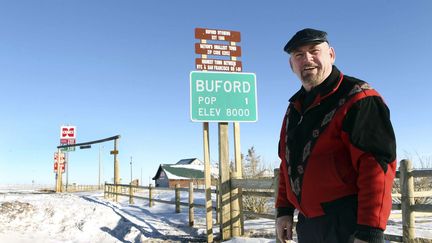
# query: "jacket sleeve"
(368, 133)
(282, 204)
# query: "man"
(337, 150)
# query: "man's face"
(312, 63)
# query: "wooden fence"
(408, 205)
(267, 187)
(130, 191)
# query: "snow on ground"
(84, 217)
(29, 215)
(42, 217)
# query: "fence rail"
(112, 190)
(267, 187)
(81, 188)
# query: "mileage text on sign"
(223, 97)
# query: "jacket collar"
(326, 88)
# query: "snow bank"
(44, 218)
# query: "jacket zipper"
(304, 113)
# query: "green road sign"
(223, 97)
(68, 149)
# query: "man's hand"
(284, 226)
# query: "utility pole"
(131, 169)
(116, 169)
(99, 178)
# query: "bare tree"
(253, 168)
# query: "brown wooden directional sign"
(219, 50)
(220, 35)
(218, 65)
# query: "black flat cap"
(305, 36)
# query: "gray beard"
(311, 80)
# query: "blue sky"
(122, 67)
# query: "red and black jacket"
(337, 141)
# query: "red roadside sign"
(67, 132)
(219, 35)
(56, 167)
(67, 141)
(218, 65)
(62, 158)
(219, 50)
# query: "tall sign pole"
(236, 198)
(224, 182)
(59, 172)
(67, 136)
(207, 173)
(67, 170)
(59, 163)
(116, 169)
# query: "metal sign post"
(88, 145)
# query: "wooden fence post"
(191, 204)
(105, 189)
(150, 195)
(131, 201)
(240, 195)
(407, 200)
(276, 189)
(235, 208)
(217, 203)
(177, 198)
